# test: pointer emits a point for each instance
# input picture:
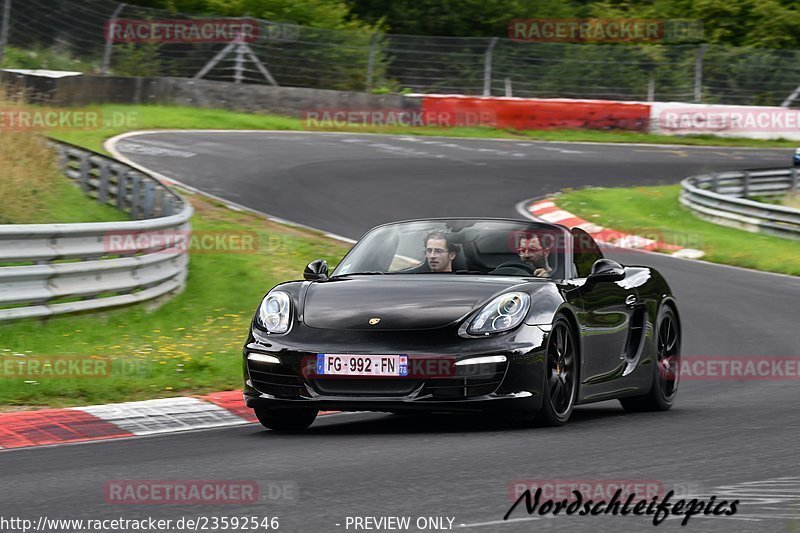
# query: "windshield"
(459, 247)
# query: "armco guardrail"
(723, 198)
(48, 269)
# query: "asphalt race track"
(732, 439)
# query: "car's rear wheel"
(561, 375)
(286, 419)
(666, 370)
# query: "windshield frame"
(563, 232)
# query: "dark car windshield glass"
(459, 246)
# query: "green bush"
(45, 58)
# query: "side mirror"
(606, 270)
(316, 270)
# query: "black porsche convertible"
(520, 318)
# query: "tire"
(286, 419)
(666, 370)
(560, 387)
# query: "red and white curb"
(549, 211)
(119, 420)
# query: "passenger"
(440, 252)
(532, 253)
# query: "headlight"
(501, 314)
(274, 312)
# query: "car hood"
(401, 302)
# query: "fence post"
(651, 89)
(110, 40)
(238, 67)
(746, 185)
(509, 91)
(4, 28)
(487, 68)
(793, 186)
(698, 73)
(373, 42)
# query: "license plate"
(333, 364)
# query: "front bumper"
(514, 385)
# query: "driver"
(533, 253)
(440, 252)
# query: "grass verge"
(122, 118)
(655, 211)
(32, 188)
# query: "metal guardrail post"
(794, 179)
(149, 191)
(166, 206)
(715, 182)
(746, 185)
(63, 159)
(84, 172)
(122, 189)
(102, 191)
(135, 193)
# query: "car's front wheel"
(561, 375)
(286, 419)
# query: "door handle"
(630, 301)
